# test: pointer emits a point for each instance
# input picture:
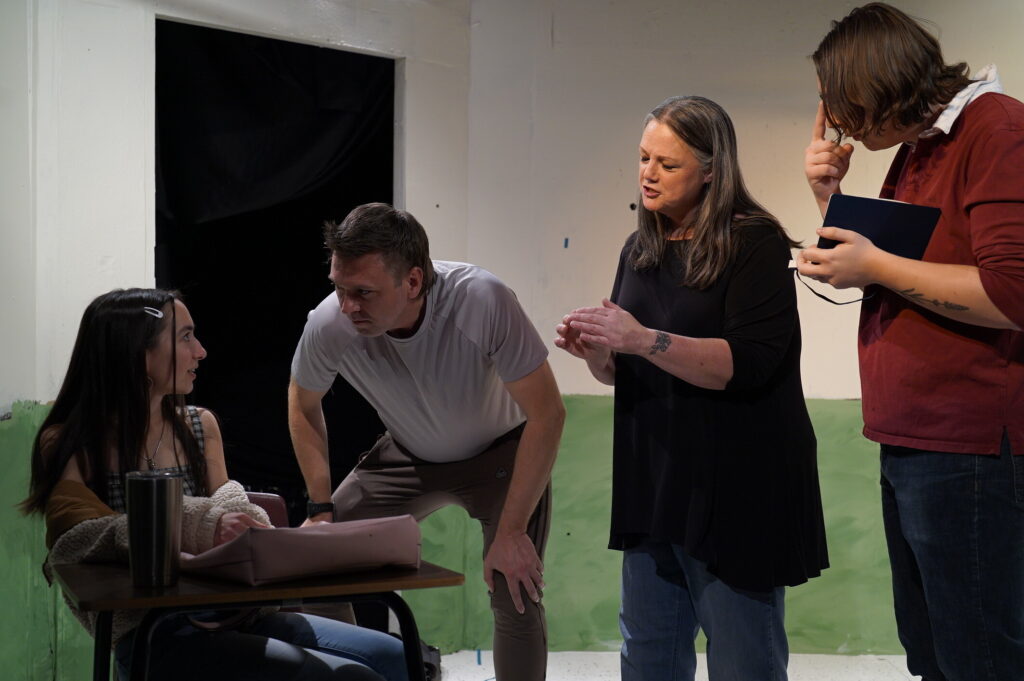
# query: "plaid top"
(115, 483)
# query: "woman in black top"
(715, 497)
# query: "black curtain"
(260, 141)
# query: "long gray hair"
(725, 204)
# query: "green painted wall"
(39, 638)
(847, 610)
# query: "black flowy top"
(731, 475)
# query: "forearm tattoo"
(661, 342)
(918, 297)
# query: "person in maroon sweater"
(940, 342)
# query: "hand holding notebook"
(899, 228)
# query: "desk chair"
(273, 504)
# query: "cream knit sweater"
(105, 539)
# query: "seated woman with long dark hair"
(121, 408)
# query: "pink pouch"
(263, 556)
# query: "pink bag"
(263, 556)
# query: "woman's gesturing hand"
(609, 327)
(570, 340)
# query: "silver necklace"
(150, 458)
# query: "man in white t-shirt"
(459, 376)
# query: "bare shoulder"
(210, 422)
(213, 450)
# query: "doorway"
(258, 142)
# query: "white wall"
(17, 247)
(558, 92)
(521, 119)
(77, 134)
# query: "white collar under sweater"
(985, 80)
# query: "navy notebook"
(902, 229)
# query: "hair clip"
(153, 312)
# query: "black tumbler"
(153, 500)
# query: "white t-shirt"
(440, 392)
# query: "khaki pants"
(389, 480)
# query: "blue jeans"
(667, 596)
(954, 524)
(276, 647)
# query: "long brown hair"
(879, 67)
(103, 403)
(725, 206)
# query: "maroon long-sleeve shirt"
(929, 382)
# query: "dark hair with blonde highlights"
(725, 204)
(878, 67)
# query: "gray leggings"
(389, 480)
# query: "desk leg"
(410, 635)
(101, 646)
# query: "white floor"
(470, 665)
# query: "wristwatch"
(313, 508)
